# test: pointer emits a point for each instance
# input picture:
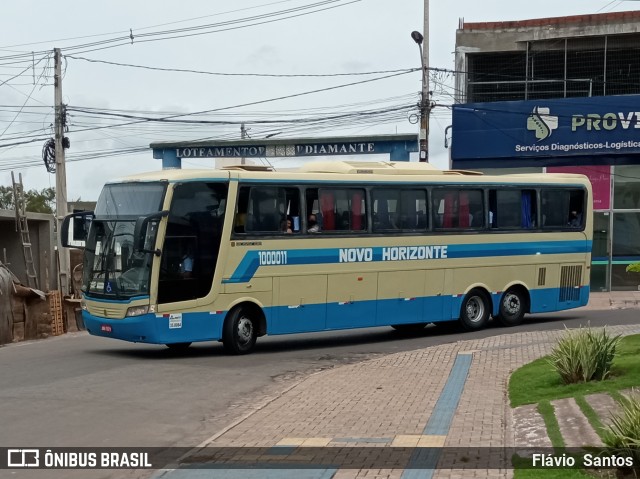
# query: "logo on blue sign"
(542, 123)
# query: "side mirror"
(79, 228)
(140, 232)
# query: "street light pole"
(425, 101)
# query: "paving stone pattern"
(389, 399)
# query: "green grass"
(553, 428)
(591, 415)
(551, 474)
(538, 381)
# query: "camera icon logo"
(23, 458)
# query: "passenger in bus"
(286, 226)
(575, 219)
(312, 224)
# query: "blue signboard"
(398, 147)
(544, 132)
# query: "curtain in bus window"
(463, 210)
(526, 205)
(449, 201)
(328, 211)
(356, 211)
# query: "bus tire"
(409, 328)
(474, 312)
(178, 346)
(239, 333)
(513, 305)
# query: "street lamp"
(424, 97)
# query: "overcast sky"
(333, 37)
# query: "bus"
(180, 256)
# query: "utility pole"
(243, 135)
(425, 100)
(61, 175)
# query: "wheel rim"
(245, 330)
(511, 304)
(475, 309)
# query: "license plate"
(105, 328)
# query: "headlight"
(137, 310)
(83, 304)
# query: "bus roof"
(350, 170)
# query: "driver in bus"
(186, 265)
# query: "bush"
(584, 355)
(623, 434)
(633, 268)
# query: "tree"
(42, 201)
(6, 198)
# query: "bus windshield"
(111, 266)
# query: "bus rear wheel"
(512, 307)
(474, 312)
(239, 333)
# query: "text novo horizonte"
(393, 253)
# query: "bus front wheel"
(512, 307)
(474, 312)
(239, 332)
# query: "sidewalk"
(452, 395)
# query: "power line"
(28, 98)
(275, 75)
(258, 102)
(201, 29)
(141, 28)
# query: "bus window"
(413, 210)
(457, 209)
(385, 209)
(343, 209)
(267, 210)
(512, 209)
(562, 208)
(395, 209)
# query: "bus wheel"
(409, 328)
(178, 346)
(474, 313)
(512, 307)
(239, 333)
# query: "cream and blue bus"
(179, 256)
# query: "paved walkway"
(452, 395)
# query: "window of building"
(625, 250)
(626, 187)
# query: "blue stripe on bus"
(204, 326)
(250, 263)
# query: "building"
(559, 94)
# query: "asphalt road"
(78, 390)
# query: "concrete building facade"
(559, 94)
